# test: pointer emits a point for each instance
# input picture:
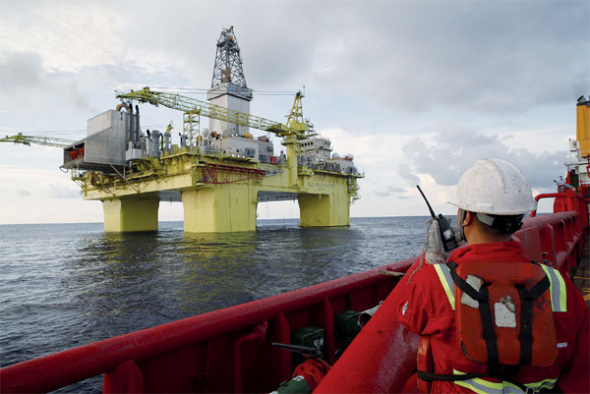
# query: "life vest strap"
(527, 297)
(485, 312)
(536, 387)
(431, 376)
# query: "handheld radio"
(446, 232)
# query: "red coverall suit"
(425, 309)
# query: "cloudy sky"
(416, 90)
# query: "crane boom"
(295, 119)
(28, 140)
(193, 106)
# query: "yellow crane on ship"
(193, 109)
(294, 129)
(20, 138)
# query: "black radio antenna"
(427, 203)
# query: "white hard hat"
(495, 187)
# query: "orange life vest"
(504, 313)
(504, 317)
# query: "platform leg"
(130, 214)
(220, 209)
(323, 210)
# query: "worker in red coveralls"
(491, 321)
(483, 319)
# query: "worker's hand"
(434, 251)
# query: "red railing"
(229, 350)
(226, 350)
(558, 238)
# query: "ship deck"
(581, 275)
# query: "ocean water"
(65, 285)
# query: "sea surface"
(65, 285)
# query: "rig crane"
(194, 108)
(294, 130)
(38, 140)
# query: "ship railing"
(229, 350)
(561, 235)
(185, 355)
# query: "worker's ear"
(468, 218)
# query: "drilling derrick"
(221, 174)
(228, 63)
(228, 85)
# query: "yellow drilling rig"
(219, 173)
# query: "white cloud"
(63, 190)
(417, 91)
(23, 193)
(454, 148)
(67, 36)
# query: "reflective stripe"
(557, 289)
(483, 386)
(444, 274)
(543, 384)
(480, 387)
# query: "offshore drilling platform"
(220, 174)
